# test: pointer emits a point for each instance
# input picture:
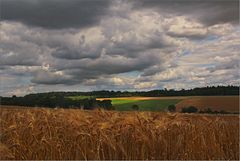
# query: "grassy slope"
(122, 104)
(227, 103)
(144, 105)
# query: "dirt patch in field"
(226, 103)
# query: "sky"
(85, 45)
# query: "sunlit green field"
(149, 104)
(144, 105)
(226, 103)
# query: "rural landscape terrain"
(229, 103)
(69, 134)
(119, 80)
(121, 128)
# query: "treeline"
(56, 101)
(193, 109)
(204, 91)
(64, 99)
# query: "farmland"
(144, 103)
(77, 134)
(226, 103)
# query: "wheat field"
(63, 134)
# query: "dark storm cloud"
(65, 53)
(77, 71)
(192, 36)
(151, 71)
(48, 78)
(209, 12)
(18, 54)
(132, 47)
(107, 65)
(18, 60)
(230, 64)
(54, 13)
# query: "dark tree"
(190, 109)
(106, 104)
(172, 108)
(135, 107)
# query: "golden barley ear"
(5, 153)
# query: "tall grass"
(45, 134)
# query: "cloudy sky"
(82, 45)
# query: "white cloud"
(145, 85)
(185, 27)
(21, 90)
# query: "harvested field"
(46, 134)
(226, 103)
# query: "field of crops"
(45, 134)
(144, 103)
(226, 103)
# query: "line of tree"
(203, 91)
(56, 101)
(193, 109)
(62, 99)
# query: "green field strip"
(144, 105)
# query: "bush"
(135, 107)
(171, 108)
(106, 104)
(223, 112)
(210, 111)
(190, 109)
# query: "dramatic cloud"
(54, 13)
(208, 12)
(117, 45)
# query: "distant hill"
(87, 99)
(203, 91)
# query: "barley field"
(56, 134)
